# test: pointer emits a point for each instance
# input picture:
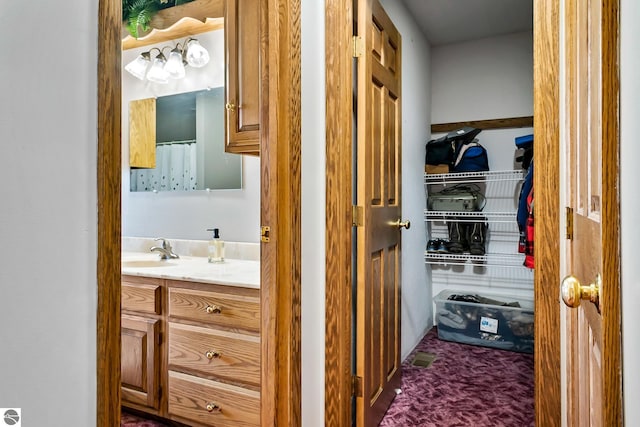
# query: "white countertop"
(232, 272)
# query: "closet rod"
(506, 123)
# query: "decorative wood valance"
(507, 123)
(200, 13)
(185, 27)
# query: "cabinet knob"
(213, 309)
(212, 354)
(212, 407)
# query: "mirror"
(189, 146)
(161, 120)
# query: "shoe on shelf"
(437, 246)
(457, 238)
(441, 246)
(477, 233)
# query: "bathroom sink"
(147, 263)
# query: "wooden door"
(378, 195)
(592, 332)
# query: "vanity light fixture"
(190, 53)
(197, 56)
(175, 64)
(158, 73)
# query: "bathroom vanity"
(191, 339)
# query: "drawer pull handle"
(212, 407)
(212, 354)
(213, 309)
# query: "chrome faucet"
(166, 252)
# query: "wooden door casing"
(379, 196)
(280, 205)
(593, 330)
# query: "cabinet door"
(140, 360)
(242, 55)
(142, 133)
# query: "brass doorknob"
(405, 224)
(230, 106)
(573, 291)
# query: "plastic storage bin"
(481, 319)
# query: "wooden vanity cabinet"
(191, 351)
(141, 348)
(243, 33)
(213, 354)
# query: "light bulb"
(174, 65)
(157, 73)
(197, 56)
(138, 67)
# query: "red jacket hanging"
(528, 252)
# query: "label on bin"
(488, 324)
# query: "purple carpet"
(465, 386)
(130, 420)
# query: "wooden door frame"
(339, 212)
(338, 384)
(280, 209)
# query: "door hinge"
(357, 46)
(356, 383)
(569, 213)
(264, 233)
(357, 218)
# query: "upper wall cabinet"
(242, 54)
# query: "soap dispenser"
(216, 247)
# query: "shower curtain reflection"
(176, 169)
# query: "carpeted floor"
(130, 420)
(465, 386)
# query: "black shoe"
(477, 236)
(441, 246)
(457, 239)
(432, 245)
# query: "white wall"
(48, 129)
(630, 205)
(417, 310)
(187, 214)
(485, 79)
(313, 160)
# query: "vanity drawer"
(227, 355)
(234, 310)
(212, 403)
(141, 295)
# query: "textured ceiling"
(451, 21)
